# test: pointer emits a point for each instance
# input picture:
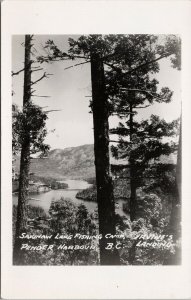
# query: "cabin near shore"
(38, 187)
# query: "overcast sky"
(68, 90)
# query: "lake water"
(44, 199)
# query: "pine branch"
(75, 56)
(63, 57)
(117, 69)
(17, 73)
(40, 69)
(141, 91)
(77, 65)
(45, 75)
(148, 93)
(141, 106)
(41, 96)
(147, 63)
(48, 111)
(123, 113)
(32, 91)
(35, 67)
(138, 67)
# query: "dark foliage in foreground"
(67, 219)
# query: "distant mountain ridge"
(73, 163)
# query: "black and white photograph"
(96, 142)
(95, 149)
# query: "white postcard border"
(75, 17)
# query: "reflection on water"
(44, 199)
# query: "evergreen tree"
(28, 136)
(130, 87)
(145, 147)
(95, 47)
(131, 96)
(126, 56)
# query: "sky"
(68, 89)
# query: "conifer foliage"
(28, 138)
(123, 84)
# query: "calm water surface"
(44, 199)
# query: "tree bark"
(133, 197)
(179, 165)
(175, 216)
(175, 219)
(105, 198)
(25, 162)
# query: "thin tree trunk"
(133, 197)
(175, 218)
(105, 198)
(132, 253)
(25, 162)
(179, 165)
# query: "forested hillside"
(73, 163)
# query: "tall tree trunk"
(25, 162)
(175, 218)
(105, 198)
(179, 165)
(133, 197)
